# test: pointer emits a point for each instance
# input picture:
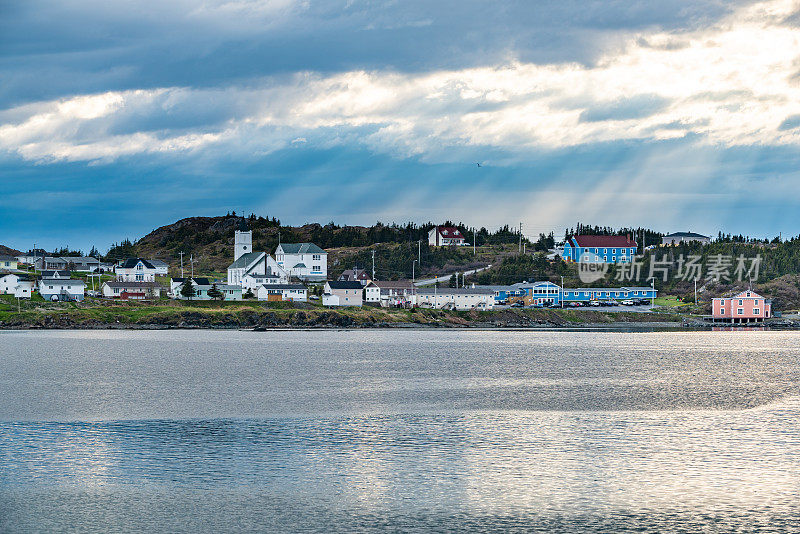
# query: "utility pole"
(695, 291)
(520, 238)
(653, 294)
(373, 264)
(419, 252)
(413, 264)
(181, 253)
(474, 240)
(191, 261)
(561, 296)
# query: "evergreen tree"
(187, 289)
(215, 293)
(248, 294)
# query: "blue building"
(545, 293)
(599, 249)
(586, 294)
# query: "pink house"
(746, 307)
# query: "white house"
(456, 298)
(283, 293)
(161, 267)
(64, 289)
(136, 270)
(305, 261)
(19, 285)
(391, 293)
(130, 290)
(342, 293)
(251, 270)
(440, 236)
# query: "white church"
(251, 269)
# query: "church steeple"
(243, 243)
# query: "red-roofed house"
(440, 236)
(600, 249)
(746, 307)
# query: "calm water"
(400, 431)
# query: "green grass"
(669, 301)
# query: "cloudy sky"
(119, 117)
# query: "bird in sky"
(478, 164)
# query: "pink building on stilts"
(746, 307)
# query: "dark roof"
(285, 286)
(449, 232)
(198, 281)
(353, 274)
(603, 241)
(61, 274)
(62, 281)
(393, 284)
(245, 260)
(158, 263)
(115, 283)
(20, 276)
(130, 263)
(344, 284)
(4, 257)
(301, 248)
(687, 234)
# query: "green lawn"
(670, 301)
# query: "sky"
(119, 117)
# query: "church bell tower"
(243, 243)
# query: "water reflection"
(412, 432)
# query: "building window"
(740, 302)
(755, 302)
(722, 310)
(315, 257)
(756, 311)
(740, 311)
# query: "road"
(446, 277)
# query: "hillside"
(6, 251)
(210, 241)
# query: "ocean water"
(401, 431)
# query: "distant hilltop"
(7, 251)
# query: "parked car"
(628, 302)
(595, 303)
(643, 301)
(314, 297)
(518, 304)
(610, 303)
(574, 304)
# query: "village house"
(135, 270)
(440, 236)
(130, 290)
(396, 293)
(201, 288)
(176, 283)
(58, 286)
(684, 237)
(599, 249)
(251, 270)
(464, 298)
(161, 267)
(283, 293)
(355, 275)
(18, 284)
(343, 294)
(305, 261)
(746, 307)
(8, 262)
(30, 257)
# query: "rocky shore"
(263, 317)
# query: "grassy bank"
(181, 314)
